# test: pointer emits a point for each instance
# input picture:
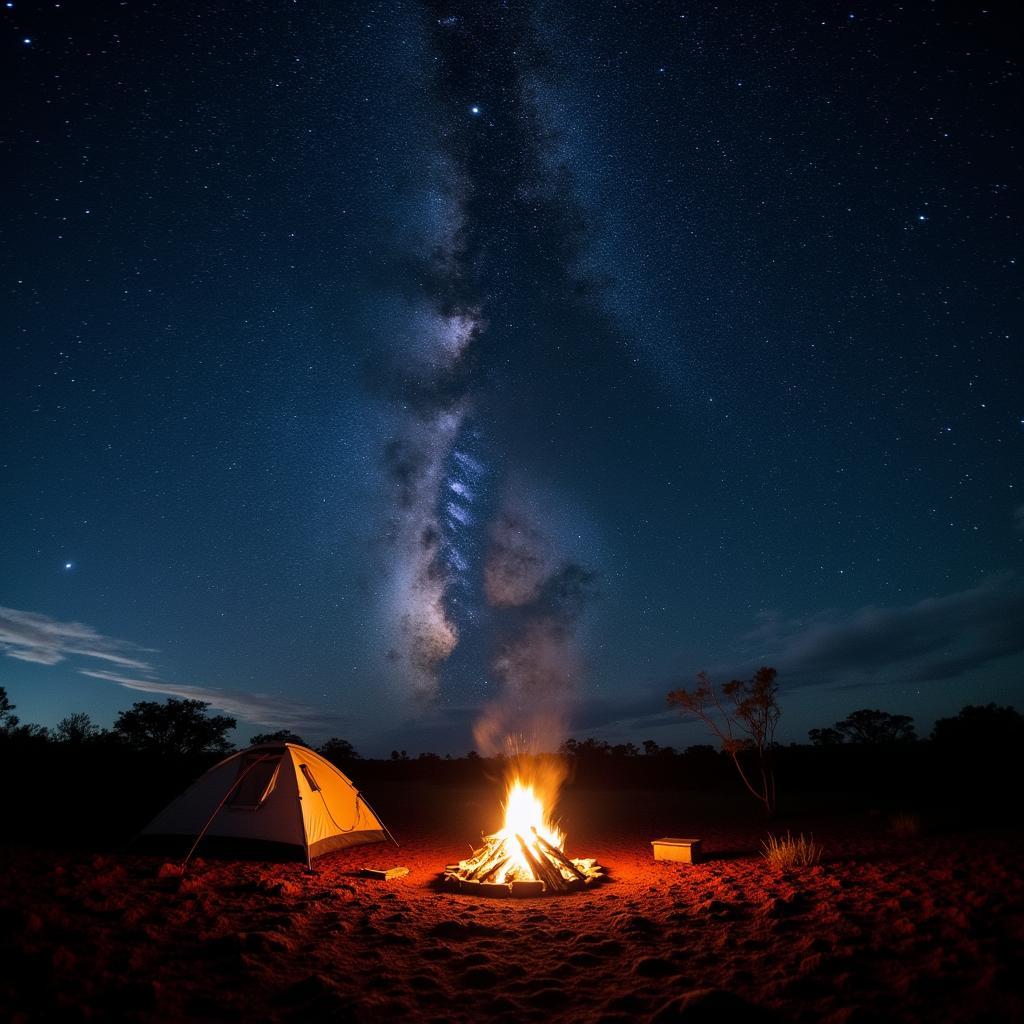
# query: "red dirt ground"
(924, 928)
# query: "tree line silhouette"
(180, 727)
(870, 758)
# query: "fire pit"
(525, 857)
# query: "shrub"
(784, 852)
(743, 716)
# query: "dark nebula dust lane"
(526, 373)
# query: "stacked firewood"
(498, 863)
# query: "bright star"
(69, 565)
(921, 217)
(474, 110)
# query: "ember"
(525, 857)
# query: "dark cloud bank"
(927, 642)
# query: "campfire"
(525, 857)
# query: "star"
(69, 565)
(474, 110)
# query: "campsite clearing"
(920, 929)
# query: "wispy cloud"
(31, 637)
(253, 707)
(932, 640)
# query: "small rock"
(639, 923)
(607, 947)
(654, 967)
(478, 977)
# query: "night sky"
(425, 374)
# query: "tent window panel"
(304, 768)
(257, 778)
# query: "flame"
(529, 846)
(525, 818)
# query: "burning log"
(542, 868)
(556, 854)
(485, 860)
(494, 870)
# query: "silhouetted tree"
(281, 736)
(982, 727)
(336, 749)
(827, 737)
(76, 728)
(743, 717)
(11, 727)
(876, 728)
(652, 749)
(8, 720)
(588, 749)
(174, 728)
(399, 755)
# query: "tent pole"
(305, 837)
(302, 822)
(231, 789)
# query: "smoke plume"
(538, 602)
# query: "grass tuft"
(904, 826)
(784, 852)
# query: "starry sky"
(430, 374)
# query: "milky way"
(462, 554)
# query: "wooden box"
(685, 851)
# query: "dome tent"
(273, 793)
